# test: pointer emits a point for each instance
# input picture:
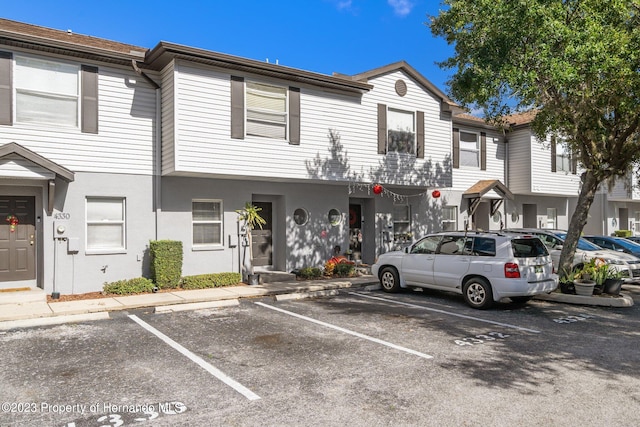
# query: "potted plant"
(583, 281)
(250, 217)
(613, 282)
(600, 274)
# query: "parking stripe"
(506, 325)
(198, 360)
(347, 331)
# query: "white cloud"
(401, 7)
(345, 4)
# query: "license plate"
(537, 269)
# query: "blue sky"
(325, 36)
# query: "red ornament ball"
(435, 194)
(377, 189)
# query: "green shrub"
(215, 280)
(623, 233)
(344, 269)
(310, 272)
(166, 263)
(129, 286)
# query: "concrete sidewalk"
(34, 311)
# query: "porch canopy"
(18, 162)
(491, 190)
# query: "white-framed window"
(469, 149)
(563, 157)
(106, 227)
(449, 218)
(206, 218)
(46, 91)
(552, 217)
(401, 222)
(267, 114)
(401, 131)
(636, 222)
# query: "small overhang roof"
(13, 148)
(486, 188)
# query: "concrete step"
(22, 295)
(276, 276)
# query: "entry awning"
(491, 190)
(18, 162)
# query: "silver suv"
(628, 265)
(483, 267)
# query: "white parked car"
(484, 267)
(628, 265)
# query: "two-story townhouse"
(77, 133)
(616, 207)
(542, 175)
(333, 161)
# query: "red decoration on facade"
(435, 194)
(377, 189)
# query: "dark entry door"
(17, 238)
(262, 238)
(355, 231)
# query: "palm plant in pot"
(250, 217)
(613, 282)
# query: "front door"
(355, 231)
(263, 237)
(17, 238)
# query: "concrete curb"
(52, 320)
(623, 300)
(196, 306)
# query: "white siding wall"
(543, 181)
(168, 120)
(124, 143)
(519, 149)
(204, 146)
(465, 177)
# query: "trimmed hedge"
(310, 273)
(623, 233)
(214, 280)
(166, 263)
(129, 286)
(344, 269)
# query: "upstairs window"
(401, 131)
(563, 158)
(46, 91)
(266, 111)
(469, 150)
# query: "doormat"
(15, 289)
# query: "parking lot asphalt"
(40, 312)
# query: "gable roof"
(17, 149)
(446, 103)
(18, 34)
(483, 187)
(165, 52)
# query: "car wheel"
(477, 293)
(521, 300)
(389, 280)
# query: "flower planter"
(584, 287)
(612, 286)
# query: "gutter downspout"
(157, 145)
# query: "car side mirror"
(406, 249)
(558, 247)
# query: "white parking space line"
(198, 360)
(347, 331)
(506, 325)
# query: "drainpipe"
(157, 145)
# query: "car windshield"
(628, 244)
(583, 244)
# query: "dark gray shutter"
(420, 134)
(89, 119)
(237, 107)
(483, 151)
(553, 154)
(574, 163)
(6, 91)
(456, 148)
(382, 129)
(294, 116)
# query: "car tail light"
(511, 270)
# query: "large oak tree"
(577, 62)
